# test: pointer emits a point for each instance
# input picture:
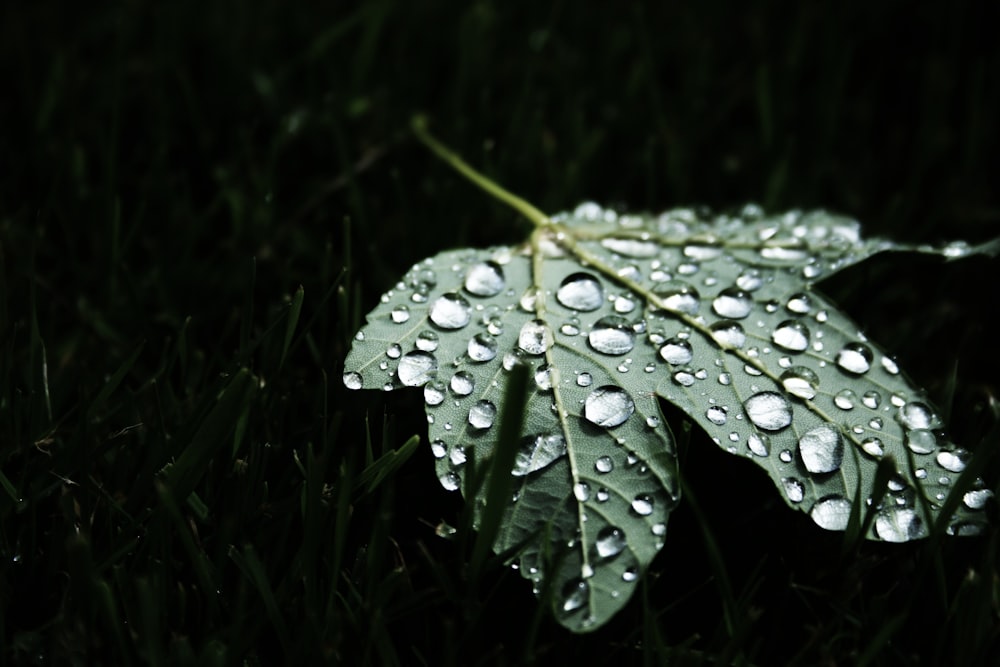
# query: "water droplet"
(604, 464)
(916, 415)
(890, 366)
(612, 335)
(529, 299)
(610, 542)
(571, 328)
(608, 406)
(400, 314)
(451, 311)
(439, 449)
(785, 455)
(513, 358)
(800, 303)
(875, 423)
(602, 495)
(831, 512)
(702, 252)
(793, 489)
(873, 447)
(537, 452)
(462, 383)
(624, 304)
(543, 377)
(822, 449)
(759, 444)
(482, 347)
(716, 415)
(749, 280)
(457, 457)
(482, 414)
(434, 392)
(728, 334)
(394, 351)
(416, 368)
(427, 341)
(352, 380)
(450, 480)
(677, 352)
(732, 303)
(899, 524)
(683, 378)
(630, 574)
(485, 279)
(845, 399)
(584, 379)
(581, 491)
(630, 247)
(581, 291)
(977, 498)
(921, 441)
(642, 504)
(855, 358)
(871, 399)
(574, 595)
(769, 410)
(791, 335)
(360, 336)
(534, 337)
(801, 382)
(953, 461)
(652, 421)
(678, 297)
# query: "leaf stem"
(419, 126)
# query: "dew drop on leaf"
(822, 449)
(482, 347)
(831, 512)
(482, 414)
(630, 574)
(451, 311)
(581, 490)
(434, 392)
(534, 337)
(678, 297)
(953, 461)
(543, 377)
(608, 406)
(352, 380)
(732, 303)
(899, 524)
(611, 335)
(642, 504)
(716, 415)
(439, 449)
(800, 303)
(394, 351)
(416, 367)
(977, 498)
(921, 441)
(610, 542)
(855, 358)
(769, 410)
(485, 279)
(791, 335)
(581, 291)
(584, 379)
(872, 447)
(462, 383)
(677, 352)
(400, 314)
(793, 489)
(427, 341)
(457, 457)
(749, 280)
(759, 444)
(627, 247)
(800, 381)
(845, 399)
(537, 452)
(871, 399)
(604, 464)
(915, 415)
(574, 595)
(729, 334)
(450, 480)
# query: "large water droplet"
(916, 415)
(482, 347)
(482, 414)
(610, 542)
(612, 335)
(921, 441)
(678, 297)
(581, 491)
(791, 335)
(451, 311)
(439, 449)
(462, 383)
(416, 367)
(400, 314)
(728, 334)
(873, 447)
(581, 291)
(954, 461)
(543, 377)
(485, 279)
(534, 337)
(831, 512)
(677, 352)
(537, 452)
(702, 252)
(800, 303)
(434, 392)
(977, 498)
(801, 382)
(352, 380)
(574, 595)
(716, 415)
(628, 247)
(427, 341)
(769, 410)
(749, 280)
(845, 399)
(855, 358)
(450, 480)
(604, 464)
(822, 449)
(732, 303)
(899, 524)
(759, 444)
(608, 406)
(642, 504)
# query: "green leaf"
(715, 314)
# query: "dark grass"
(199, 202)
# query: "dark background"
(173, 172)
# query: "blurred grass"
(198, 203)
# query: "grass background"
(199, 202)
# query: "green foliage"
(715, 314)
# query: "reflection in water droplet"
(439, 449)
(831, 512)
(716, 415)
(630, 574)
(451, 311)
(608, 406)
(543, 377)
(855, 358)
(769, 410)
(630, 247)
(462, 383)
(977, 498)
(728, 334)
(537, 452)
(793, 489)
(352, 380)
(394, 351)
(482, 347)
(457, 457)
(677, 352)
(678, 297)
(921, 441)
(581, 491)
(581, 291)
(732, 303)
(749, 280)
(513, 358)
(584, 379)
(400, 314)
(416, 367)
(871, 399)
(916, 415)
(434, 392)
(482, 414)
(845, 399)
(427, 341)
(759, 444)
(801, 382)
(899, 524)
(953, 461)
(450, 480)
(612, 335)
(791, 335)
(485, 279)
(822, 449)
(604, 464)
(873, 447)
(800, 303)
(610, 542)
(642, 504)
(534, 337)
(574, 595)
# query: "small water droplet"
(793, 489)
(800, 303)
(543, 377)
(732, 303)
(855, 358)
(482, 414)
(604, 464)
(921, 441)
(831, 512)
(427, 341)
(352, 380)
(537, 452)
(977, 498)
(482, 347)
(624, 304)
(611, 335)
(602, 495)
(678, 297)
(728, 334)
(610, 542)
(785, 455)
(571, 328)
(702, 252)
(800, 381)
(791, 335)
(581, 491)
(759, 444)
(683, 378)
(400, 314)
(450, 480)
(457, 457)
(954, 461)
(439, 449)
(630, 574)
(871, 399)
(890, 366)
(873, 447)
(822, 449)
(716, 415)
(584, 379)
(652, 421)
(513, 358)
(485, 279)
(915, 415)
(676, 352)
(394, 351)
(749, 280)
(642, 504)
(581, 291)
(608, 406)
(416, 368)
(462, 383)
(845, 399)
(769, 410)
(574, 595)
(360, 336)
(535, 337)
(434, 392)
(631, 247)
(451, 311)
(899, 524)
